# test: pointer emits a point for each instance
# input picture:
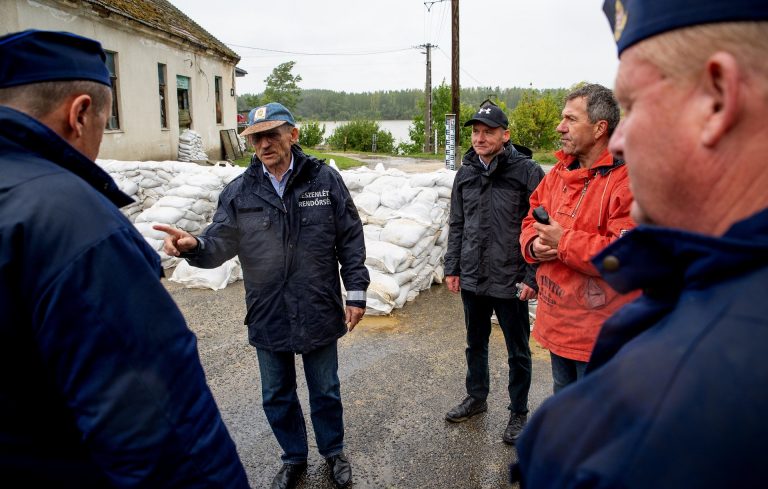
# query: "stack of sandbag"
(405, 221)
(191, 146)
(177, 194)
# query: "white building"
(168, 72)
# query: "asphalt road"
(399, 375)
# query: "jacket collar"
(37, 138)
(510, 154)
(605, 162)
(664, 261)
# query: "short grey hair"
(40, 99)
(601, 104)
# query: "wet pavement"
(399, 375)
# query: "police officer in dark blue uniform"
(102, 383)
(675, 391)
(290, 219)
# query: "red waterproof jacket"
(592, 205)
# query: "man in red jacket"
(587, 198)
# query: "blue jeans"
(513, 320)
(281, 404)
(565, 371)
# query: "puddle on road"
(381, 324)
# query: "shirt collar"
(287, 172)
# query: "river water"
(399, 129)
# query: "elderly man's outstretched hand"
(177, 241)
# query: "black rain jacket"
(487, 211)
(290, 250)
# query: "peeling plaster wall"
(139, 49)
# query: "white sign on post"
(450, 141)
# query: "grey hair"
(40, 99)
(601, 104)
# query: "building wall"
(139, 50)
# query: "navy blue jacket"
(102, 384)
(676, 391)
(487, 211)
(290, 250)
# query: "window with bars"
(163, 92)
(113, 122)
(217, 88)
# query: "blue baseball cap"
(267, 117)
(635, 20)
(35, 56)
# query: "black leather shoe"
(514, 427)
(341, 470)
(288, 476)
(468, 408)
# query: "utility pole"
(428, 100)
(455, 102)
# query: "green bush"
(311, 134)
(358, 136)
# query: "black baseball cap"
(490, 115)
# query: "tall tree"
(247, 101)
(282, 86)
(534, 120)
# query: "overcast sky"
(506, 43)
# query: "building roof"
(163, 16)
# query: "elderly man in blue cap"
(292, 222)
(103, 385)
(675, 392)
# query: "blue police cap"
(635, 20)
(35, 56)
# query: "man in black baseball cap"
(483, 261)
(674, 391)
(103, 383)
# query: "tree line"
(533, 113)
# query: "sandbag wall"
(405, 220)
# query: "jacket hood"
(667, 260)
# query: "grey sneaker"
(468, 408)
(514, 427)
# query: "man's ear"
(294, 135)
(721, 85)
(600, 129)
(79, 114)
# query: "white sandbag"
(387, 257)
(386, 184)
(375, 307)
(397, 198)
(403, 232)
(146, 230)
(418, 210)
(381, 216)
(372, 232)
(175, 201)
(382, 287)
(367, 202)
(404, 277)
(165, 215)
(201, 278)
(356, 180)
(424, 179)
(423, 247)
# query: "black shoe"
(288, 476)
(468, 408)
(341, 469)
(514, 427)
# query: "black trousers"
(513, 320)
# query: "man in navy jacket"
(102, 383)
(675, 392)
(292, 222)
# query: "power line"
(463, 70)
(370, 53)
